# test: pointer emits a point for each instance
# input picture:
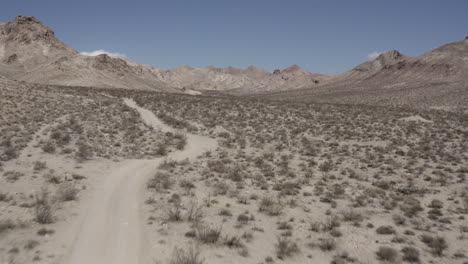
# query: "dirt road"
(112, 229)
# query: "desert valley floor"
(116, 176)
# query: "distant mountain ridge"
(438, 78)
(29, 51)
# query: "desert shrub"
(207, 234)
(6, 224)
(4, 197)
(387, 254)
(235, 174)
(327, 244)
(48, 147)
(331, 223)
(385, 230)
(233, 242)
(43, 208)
(352, 216)
(343, 258)
(271, 207)
(436, 204)
(336, 232)
(374, 193)
(265, 202)
(225, 212)
(384, 185)
(410, 254)
(161, 149)
(84, 152)
(285, 247)
(243, 218)
(31, 244)
(38, 165)
(217, 166)
(315, 226)
(167, 164)
(9, 154)
(283, 225)
(190, 256)
(195, 212)
(67, 192)
(411, 207)
(288, 188)
(186, 184)
(78, 177)
(45, 231)
(12, 176)
(326, 166)
(437, 244)
(181, 140)
(399, 219)
(159, 181)
(174, 213)
(52, 178)
(220, 188)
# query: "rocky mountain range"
(438, 78)
(30, 51)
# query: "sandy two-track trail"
(112, 229)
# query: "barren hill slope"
(30, 51)
(438, 78)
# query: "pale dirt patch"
(416, 118)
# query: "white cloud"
(101, 51)
(373, 55)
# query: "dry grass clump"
(352, 216)
(174, 213)
(437, 244)
(195, 213)
(67, 192)
(160, 181)
(285, 247)
(207, 234)
(44, 209)
(270, 206)
(327, 244)
(186, 256)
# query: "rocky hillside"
(438, 78)
(30, 51)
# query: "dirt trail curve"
(112, 230)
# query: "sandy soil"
(111, 231)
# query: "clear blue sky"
(321, 36)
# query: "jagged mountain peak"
(27, 29)
(292, 68)
(27, 19)
(26, 42)
(390, 56)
